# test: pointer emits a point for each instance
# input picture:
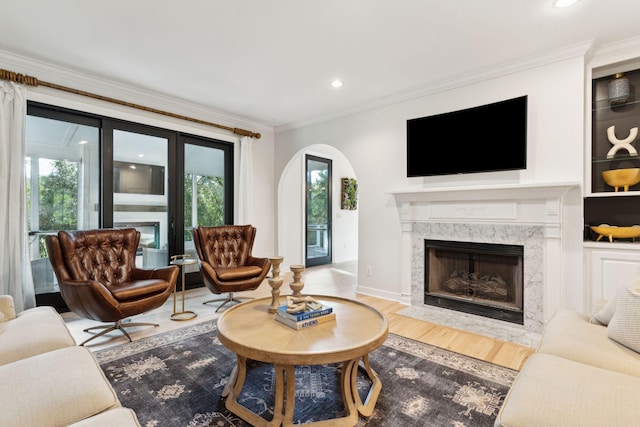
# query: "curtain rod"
(32, 81)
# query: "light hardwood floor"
(335, 279)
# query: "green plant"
(349, 194)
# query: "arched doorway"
(292, 229)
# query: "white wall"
(374, 143)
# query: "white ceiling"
(272, 61)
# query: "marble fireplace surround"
(517, 214)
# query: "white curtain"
(245, 182)
(15, 266)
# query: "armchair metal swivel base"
(227, 300)
(112, 327)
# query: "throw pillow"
(625, 323)
(7, 310)
(605, 313)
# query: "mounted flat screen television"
(486, 138)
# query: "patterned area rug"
(176, 379)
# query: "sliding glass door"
(206, 191)
(141, 190)
(85, 172)
(62, 168)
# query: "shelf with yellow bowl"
(624, 178)
(613, 232)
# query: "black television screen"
(486, 138)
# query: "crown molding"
(617, 52)
(65, 76)
(557, 55)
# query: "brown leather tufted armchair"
(98, 278)
(226, 263)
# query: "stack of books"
(306, 318)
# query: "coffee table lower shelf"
(286, 386)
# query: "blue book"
(304, 315)
(305, 323)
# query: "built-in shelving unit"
(608, 264)
(602, 204)
(623, 117)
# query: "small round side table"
(182, 261)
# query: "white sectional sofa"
(585, 372)
(48, 381)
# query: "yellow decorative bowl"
(625, 178)
(605, 230)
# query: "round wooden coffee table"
(249, 330)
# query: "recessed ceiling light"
(336, 83)
(141, 155)
(84, 141)
(564, 3)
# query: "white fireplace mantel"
(486, 192)
(492, 213)
(528, 203)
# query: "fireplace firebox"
(484, 279)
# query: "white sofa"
(46, 380)
(585, 372)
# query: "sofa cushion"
(625, 323)
(552, 391)
(57, 388)
(34, 331)
(572, 336)
(238, 273)
(120, 417)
